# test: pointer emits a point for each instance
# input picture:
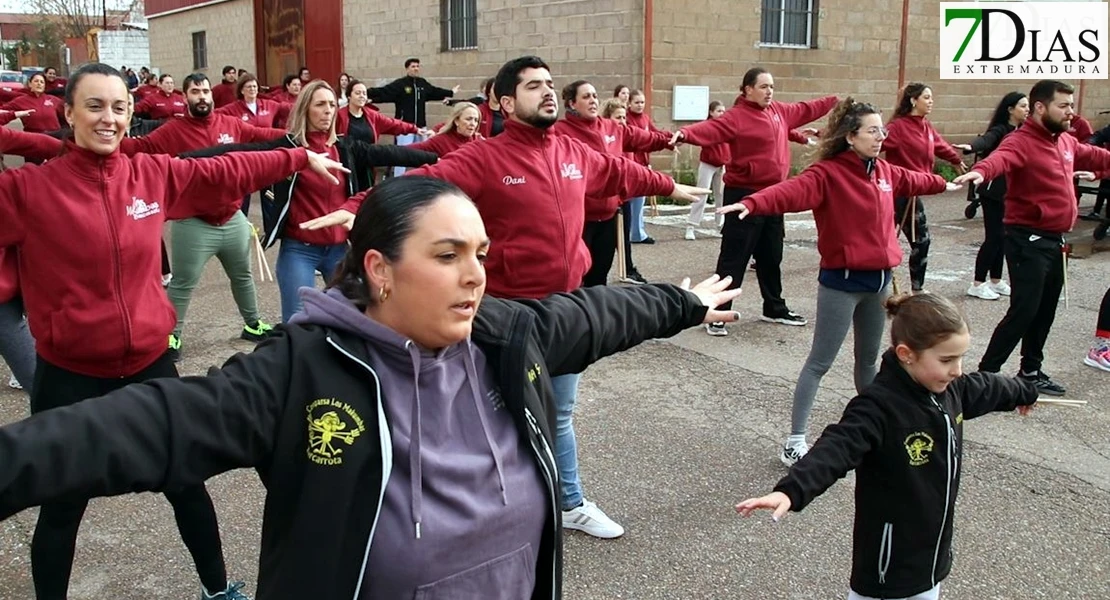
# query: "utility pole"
(104, 7)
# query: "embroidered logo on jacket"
(570, 171)
(510, 180)
(332, 423)
(225, 138)
(884, 185)
(1068, 156)
(918, 446)
(246, 117)
(139, 209)
(534, 372)
(609, 139)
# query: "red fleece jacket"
(530, 186)
(758, 138)
(1039, 167)
(90, 266)
(161, 105)
(913, 142)
(45, 117)
(854, 210)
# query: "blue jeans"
(16, 344)
(296, 268)
(566, 448)
(639, 234)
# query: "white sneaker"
(982, 291)
(792, 453)
(166, 279)
(14, 383)
(1001, 288)
(690, 233)
(590, 519)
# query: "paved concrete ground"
(674, 432)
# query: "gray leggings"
(16, 344)
(836, 312)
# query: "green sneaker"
(257, 331)
(174, 348)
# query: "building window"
(789, 23)
(200, 50)
(459, 24)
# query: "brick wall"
(599, 40)
(713, 42)
(230, 37)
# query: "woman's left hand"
(713, 292)
(341, 217)
(951, 187)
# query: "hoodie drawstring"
(476, 392)
(415, 465)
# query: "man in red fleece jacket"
(531, 187)
(225, 92)
(1039, 161)
(758, 131)
(226, 235)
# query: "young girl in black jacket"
(903, 435)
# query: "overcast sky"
(21, 6)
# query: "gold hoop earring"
(383, 295)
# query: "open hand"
(1025, 409)
(455, 89)
(952, 186)
(677, 138)
(688, 193)
(424, 131)
(809, 131)
(713, 292)
(324, 166)
(964, 147)
(776, 501)
(972, 176)
(1085, 175)
(19, 114)
(341, 217)
(739, 207)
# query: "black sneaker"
(787, 318)
(634, 277)
(174, 348)
(1043, 383)
(648, 240)
(257, 331)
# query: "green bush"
(945, 170)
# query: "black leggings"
(916, 229)
(991, 255)
(55, 539)
(1103, 328)
(601, 239)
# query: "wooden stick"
(621, 270)
(1061, 401)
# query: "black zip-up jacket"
(982, 146)
(905, 444)
(408, 95)
(319, 520)
(354, 154)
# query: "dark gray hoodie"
(465, 505)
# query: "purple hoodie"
(465, 505)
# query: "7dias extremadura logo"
(1023, 40)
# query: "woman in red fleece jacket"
(36, 109)
(851, 193)
(758, 130)
(711, 171)
(462, 129)
(912, 144)
(608, 137)
(639, 118)
(92, 288)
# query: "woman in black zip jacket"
(1008, 115)
(403, 433)
(903, 435)
(298, 200)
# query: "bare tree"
(75, 17)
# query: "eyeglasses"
(877, 132)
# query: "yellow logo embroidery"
(918, 446)
(408, 89)
(959, 418)
(534, 372)
(328, 430)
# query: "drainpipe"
(1079, 101)
(649, 9)
(902, 43)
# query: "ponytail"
(845, 118)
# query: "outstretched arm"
(153, 436)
